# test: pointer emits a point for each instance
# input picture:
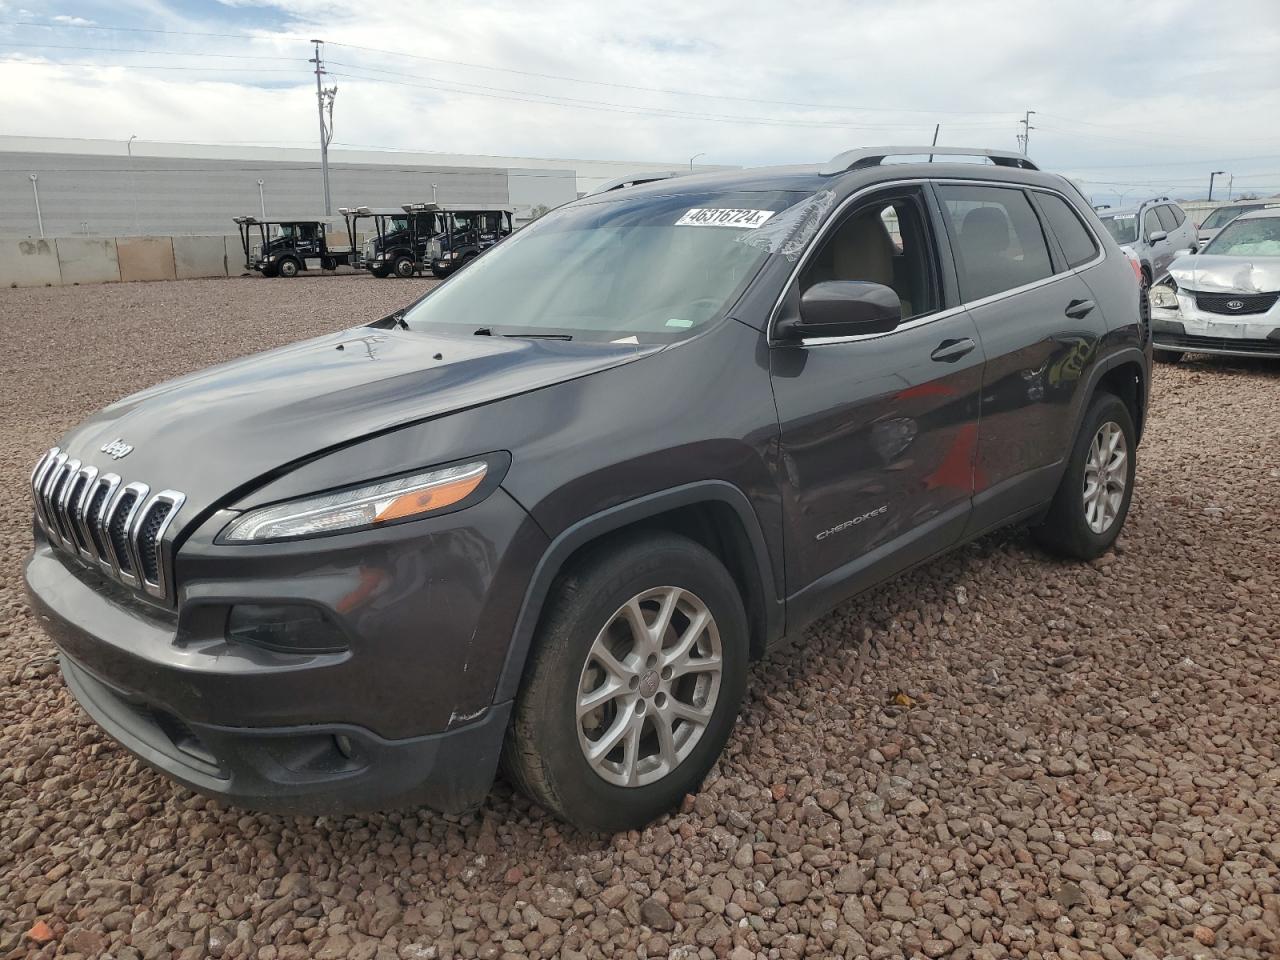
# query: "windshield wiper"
(540, 336)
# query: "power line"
(611, 107)
(577, 100)
(525, 73)
(158, 53)
(145, 66)
(663, 90)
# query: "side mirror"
(1157, 236)
(844, 308)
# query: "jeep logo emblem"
(1235, 304)
(117, 448)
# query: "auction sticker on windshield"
(724, 217)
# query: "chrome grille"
(116, 526)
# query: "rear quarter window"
(1167, 220)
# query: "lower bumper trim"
(303, 769)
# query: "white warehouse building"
(139, 188)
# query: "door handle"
(1079, 308)
(949, 351)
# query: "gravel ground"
(1043, 760)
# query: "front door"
(878, 432)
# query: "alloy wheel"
(649, 687)
(1106, 473)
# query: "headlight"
(1164, 297)
(375, 504)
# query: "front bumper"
(427, 608)
(1191, 329)
(1193, 334)
(330, 769)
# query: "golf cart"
(401, 245)
(285, 247)
(465, 232)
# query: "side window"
(996, 237)
(1150, 223)
(1077, 242)
(888, 242)
(1167, 220)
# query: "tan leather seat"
(863, 250)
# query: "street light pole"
(262, 203)
(434, 189)
(693, 158)
(1216, 173)
(133, 184)
(36, 190)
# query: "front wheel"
(633, 683)
(288, 268)
(404, 267)
(1093, 497)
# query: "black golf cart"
(286, 247)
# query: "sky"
(1131, 99)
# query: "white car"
(1223, 215)
(1224, 299)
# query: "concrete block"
(199, 257)
(235, 255)
(145, 258)
(28, 263)
(88, 260)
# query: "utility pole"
(324, 103)
(1024, 138)
(1231, 183)
(1215, 173)
(262, 200)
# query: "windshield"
(1221, 216)
(1122, 227)
(652, 267)
(1247, 238)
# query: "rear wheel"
(1169, 356)
(1092, 501)
(633, 683)
(404, 267)
(288, 268)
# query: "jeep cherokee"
(548, 513)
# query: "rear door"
(878, 432)
(1040, 329)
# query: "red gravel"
(1084, 761)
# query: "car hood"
(1209, 273)
(222, 430)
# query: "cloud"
(1148, 93)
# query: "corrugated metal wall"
(120, 196)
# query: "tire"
(328, 263)
(1169, 356)
(288, 268)
(1066, 529)
(404, 267)
(545, 749)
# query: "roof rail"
(875, 156)
(635, 180)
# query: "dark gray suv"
(549, 512)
